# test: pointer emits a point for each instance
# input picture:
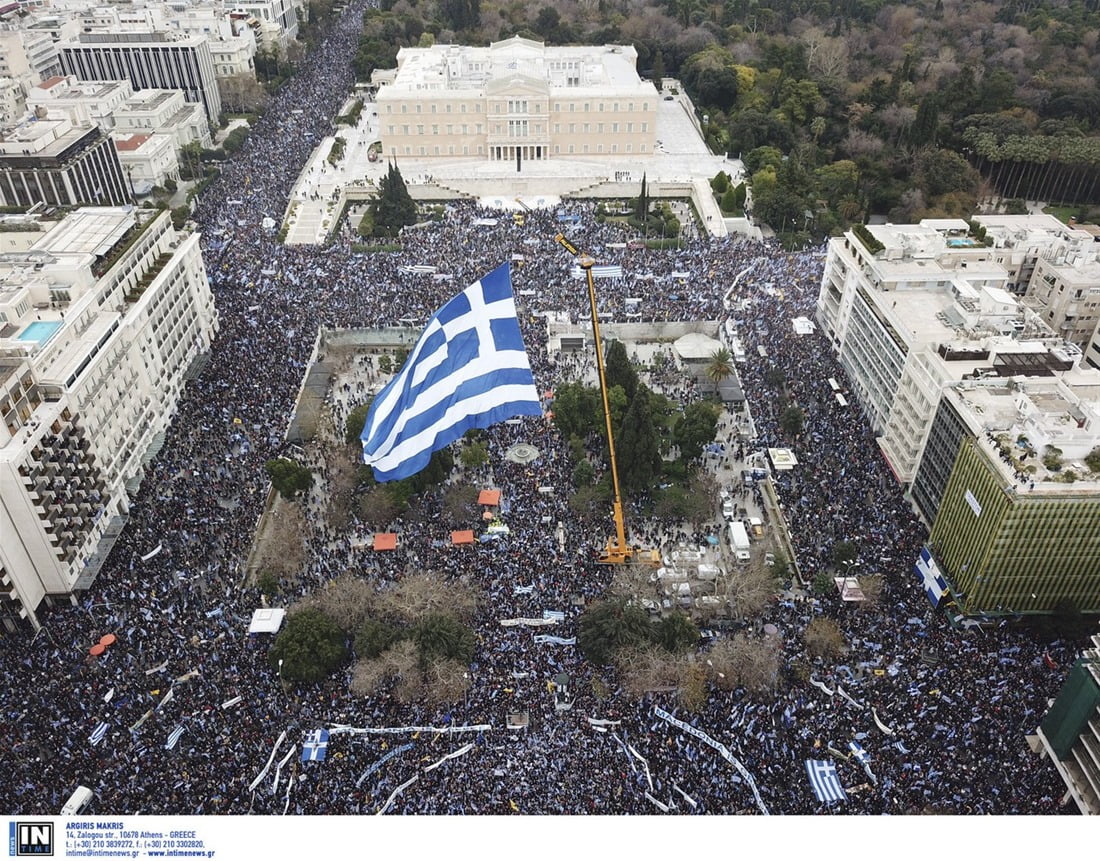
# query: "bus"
(77, 801)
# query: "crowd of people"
(943, 719)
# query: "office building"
(147, 160)
(102, 320)
(925, 306)
(83, 102)
(28, 56)
(1010, 483)
(163, 112)
(57, 163)
(516, 101)
(157, 60)
(1070, 732)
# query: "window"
(615, 128)
(433, 109)
(645, 127)
(419, 108)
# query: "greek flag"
(315, 747)
(861, 756)
(98, 734)
(825, 781)
(469, 369)
(934, 584)
(173, 738)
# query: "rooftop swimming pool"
(40, 331)
(962, 243)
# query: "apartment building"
(102, 318)
(83, 102)
(163, 112)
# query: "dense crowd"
(956, 704)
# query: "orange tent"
(385, 540)
(463, 536)
(97, 650)
(108, 640)
(489, 497)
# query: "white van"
(77, 801)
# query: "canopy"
(462, 536)
(97, 650)
(385, 540)
(266, 620)
(489, 497)
(107, 640)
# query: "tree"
(288, 477)
(791, 420)
(393, 207)
(729, 201)
(823, 638)
(583, 473)
(357, 420)
(417, 596)
(744, 661)
(1092, 460)
(619, 370)
(474, 454)
(844, 553)
(577, 410)
(720, 183)
(638, 450)
(695, 429)
(374, 637)
(641, 202)
(311, 646)
(439, 635)
(610, 626)
(676, 633)
(720, 366)
(460, 503)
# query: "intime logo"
(30, 838)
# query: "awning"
(462, 536)
(489, 497)
(267, 621)
(385, 540)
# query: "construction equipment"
(617, 551)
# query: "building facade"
(81, 101)
(926, 309)
(160, 60)
(101, 321)
(57, 163)
(29, 56)
(516, 101)
(1067, 297)
(1070, 732)
(147, 160)
(1014, 518)
(163, 112)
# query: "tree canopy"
(310, 645)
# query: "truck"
(739, 541)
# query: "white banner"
(601, 722)
(460, 752)
(721, 748)
(397, 751)
(397, 792)
(531, 623)
(401, 730)
(555, 641)
(252, 786)
(152, 553)
(880, 724)
(662, 807)
(821, 686)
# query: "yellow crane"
(617, 551)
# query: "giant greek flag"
(469, 369)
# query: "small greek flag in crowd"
(98, 734)
(173, 737)
(605, 271)
(934, 584)
(861, 756)
(825, 781)
(901, 747)
(315, 747)
(469, 369)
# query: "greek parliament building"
(988, 417)
(103, 316)
(516, 101)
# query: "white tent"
(267, 621)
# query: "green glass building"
(1008, 545)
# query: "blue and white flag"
(469, 369)
(825, 781)
(315, 747)
(98, 734)
(861, 756)
(173, 738)
(901, 747)
(555, 641)
(933, 581)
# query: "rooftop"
(131, 143)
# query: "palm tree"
(720, 367)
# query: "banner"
(721, 748)
(880, 724)
(531, 623)
(397, 751)
(821, 686)
(252, 786)
(401, 730)
(844, 694)
(687, 797)
(397, 792)
(460, 752)
(662, 807)
(152, 553)
(555, 641)
(601, 722)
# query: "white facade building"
(515, 101)
(100, 322)
(929, 308)
(164, 112)
(283, 14)
(13, 103)
(147, 160)
(81, 101)
(28, 56)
